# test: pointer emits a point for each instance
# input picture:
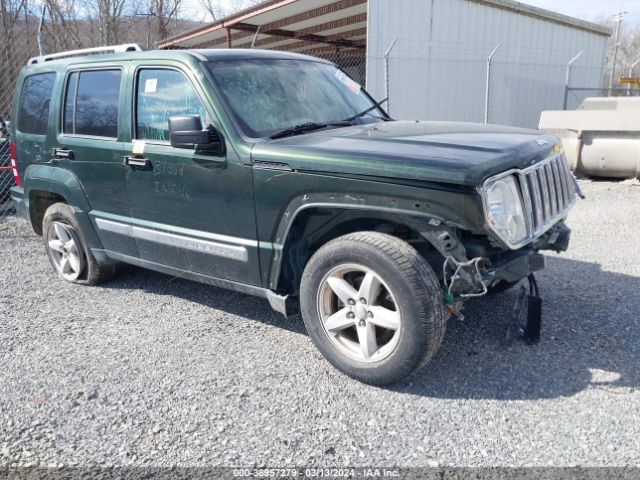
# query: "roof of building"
(299, 25)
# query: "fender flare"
(62, 182)
(438, 230)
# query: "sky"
(592, 9)
(587, 9)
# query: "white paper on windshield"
(351, 84)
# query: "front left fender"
(435, 221)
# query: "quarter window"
(33, 113)
(91, 103)
(162, 94)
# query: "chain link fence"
(6, 171)
(11, 63)
(352, 61)
(492, 83)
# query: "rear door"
(190, 210)
(90, 145)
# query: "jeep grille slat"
(536, 202)
(558, 183)
(559, 190)
(552, 189)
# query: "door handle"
(135, 161)
(63, 153)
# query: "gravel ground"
(154, 370)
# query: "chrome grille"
(548, 193)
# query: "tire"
(404, 304)
(67, 249)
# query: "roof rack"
(127, 47)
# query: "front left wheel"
(373, 306)
(67, 250)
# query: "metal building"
(431, 57)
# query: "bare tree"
(164, 12)
(62, 28)
(215, 10)
(212, 8)
(11, 14)
(629, 51)
(105, 20)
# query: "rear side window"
(33, 113)
(91, 103)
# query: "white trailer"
(601, 138)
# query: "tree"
(628, 50)
(164, 13)
(215, 9)
(13, 15)
(62, 30)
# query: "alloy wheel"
(359, 313)
(64, 250)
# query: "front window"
(267, 96)
(162, 94)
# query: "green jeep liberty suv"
(277, 175)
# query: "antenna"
(44, 11)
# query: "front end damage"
(524, 212)
(474, 266)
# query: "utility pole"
(618, 19)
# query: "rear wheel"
(67, 250)
(373, 306)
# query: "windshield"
(267, 96)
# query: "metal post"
(618, 19)
(386, 74)
(255, 37)
(44, 11)
(148, 31)
(633, 65)
(486, 92)
(568, 78)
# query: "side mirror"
(186, 132)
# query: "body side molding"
(234, 252)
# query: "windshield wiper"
(367, 110)
(306, 127)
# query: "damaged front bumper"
(467, 278)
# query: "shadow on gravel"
(590, 334)
(591, 328)
(254, 308)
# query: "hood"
(445, 152)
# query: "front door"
(190, 210)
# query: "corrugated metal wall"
(437, 69)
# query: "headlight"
(504, 210)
